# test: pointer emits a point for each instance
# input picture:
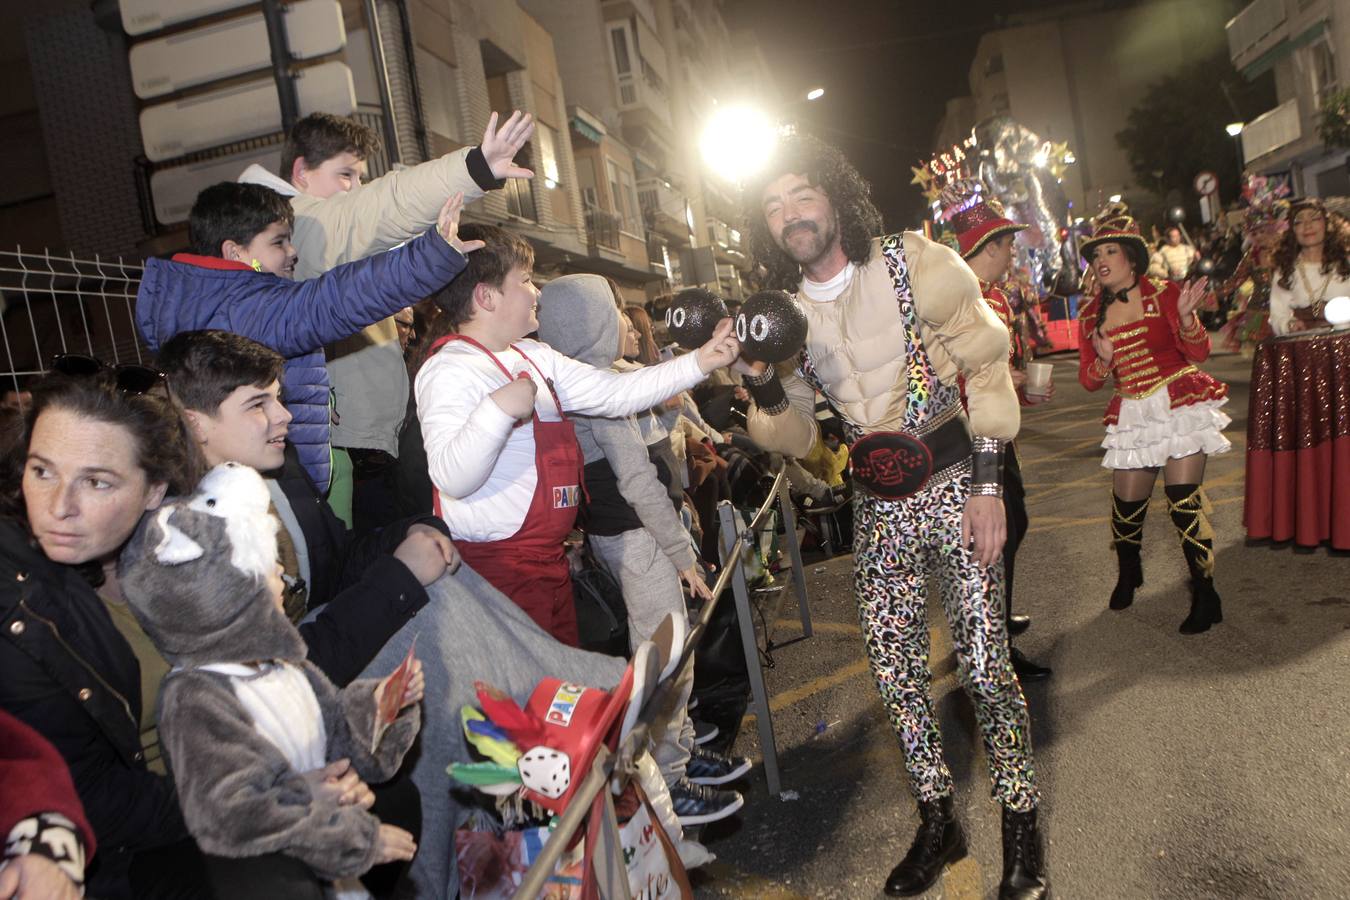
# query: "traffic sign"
(1206, 183)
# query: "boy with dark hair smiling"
(365, 590)
(238, 279)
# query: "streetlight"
(737, 141)
(815, 93)
(1114, 198)
(1234, 130)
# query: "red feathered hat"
(977, 219)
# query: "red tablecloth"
(1298, 441)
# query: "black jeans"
(1015, 509)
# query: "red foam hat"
(576, 720)
(976, 219)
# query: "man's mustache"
(803, 224)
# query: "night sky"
(888, 69)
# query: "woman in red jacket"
(1144, 335)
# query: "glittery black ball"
(693, 316)
(771, 327)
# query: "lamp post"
(1234, 130)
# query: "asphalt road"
(1211, 766)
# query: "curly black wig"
(826, 168)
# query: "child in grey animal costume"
(242, 714)
(630, 523)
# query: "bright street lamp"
(737, 141)
(1114, 198)
(815, 93)
(1234, 128)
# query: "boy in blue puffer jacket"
(238, 279)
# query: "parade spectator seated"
(355, 593)
(238, 278)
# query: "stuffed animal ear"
(174, 547)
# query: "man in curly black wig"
(892, 323)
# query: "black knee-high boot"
(1186, 504)
(1127, 533)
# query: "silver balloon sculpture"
(1014, 162)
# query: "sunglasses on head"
(129, 377)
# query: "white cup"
(1038, 378)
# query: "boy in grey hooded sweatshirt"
(633, 529)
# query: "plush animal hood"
(578, 318)
(195, 575)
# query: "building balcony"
(726, 242)
(665, 209)
(1260, 26)
(602, 230)
(643, 104)
(1272, 130)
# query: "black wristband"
(767, 392)
(481, 172)
(986, 467)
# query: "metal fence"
(54, 303)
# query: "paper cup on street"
(1038, 378)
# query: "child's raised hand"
(721, 350)
(517, 398)
(447, 223)
(393, 843)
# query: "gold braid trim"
(1193, 333)
(1118, 520)
(1196, 505)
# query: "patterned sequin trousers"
(899, 545)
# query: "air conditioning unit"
(145, 16)
(176, 189)
(234, 47)
(241, 111)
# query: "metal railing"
(733, 575)
(54, 303)
(602, 228)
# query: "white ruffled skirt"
(1149, 432)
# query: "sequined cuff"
(1099, 369)
(986, 467)
(1195, 331)
(768, 392)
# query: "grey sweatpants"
(651, 589)
(467, 632)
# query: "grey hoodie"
(578, 318)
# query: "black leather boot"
(1127, 533)
(938, 841)
(1185, 504)
(1023, 862)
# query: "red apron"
(529, 566)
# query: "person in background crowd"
(339, 220)
(500, 448)
(891, 323)
(1165, 413)
(46, 840)
(985, 241)
(1174, 257)
(1312, 265)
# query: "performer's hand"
(500, 145)
(448, 225)
(1105, 349)
(1019, 379)
(1191, 295)
(984, 526)
(32, 876)
(1038, 399)
(749, 366)
(721, 350)
(1297, 324)
(517, 398)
